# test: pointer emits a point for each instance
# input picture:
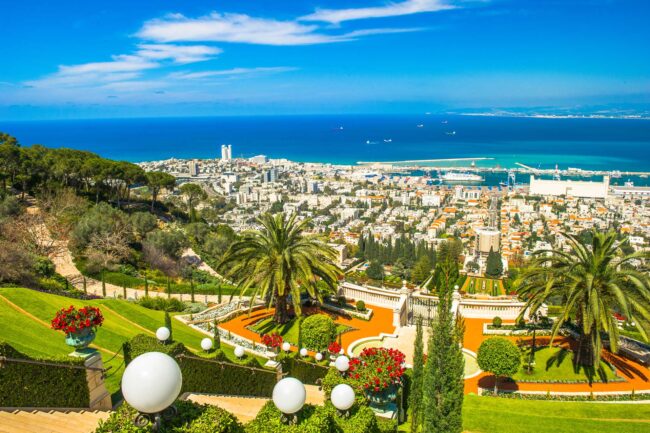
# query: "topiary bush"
(142, 343)
(362, 419)
(361, 306)
(309, 373)
(499, 356)
(317, 332)
(311, 419)
(32, 385)
(496, 322)
(191, 418)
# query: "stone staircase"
(50, 421)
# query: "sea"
(488, 141)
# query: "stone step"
(53, 421)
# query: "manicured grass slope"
(36, 339)
(488, 415)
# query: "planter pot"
(383, 397)
(81, 339)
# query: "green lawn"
(503, 415)
(289, 331)
(35, 339)
(554, 363)
(474, 285)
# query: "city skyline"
(75, 60)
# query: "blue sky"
(73, 59)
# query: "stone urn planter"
(80, 339)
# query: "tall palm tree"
(594, 280)
(278, 261)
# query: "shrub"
(311, 419)
(318, 331)
(170, 243)
(9, 207)
(362, 419)
(361, 306)
(309, 373)
(162, 304)
(142, 343)
(496, 322)
(44, 267)
(32, 385)
(499, 356)
(191, 418)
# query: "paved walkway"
(53, 421)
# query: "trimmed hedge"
(309, 373)
(33, 385)
(311, 419)
(318, 331)
(214, 374)
(362, 420)
(191, 418)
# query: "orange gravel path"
(637, 376)
(382, 321)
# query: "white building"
(259, 159)
(569, 188)
(226, 152)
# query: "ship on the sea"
(453, 176)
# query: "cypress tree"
(219, 293)
(442, 398)
(168, 325)
(84, 285)
(124, 290)
(217, 337)
(169, 288)
(146, 284)
(191, 288)
(103, 285)
(415, 397)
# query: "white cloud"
(407, 7)
(231, 27)
(178, 53)
(121, 63)
(241, 28)
(229, 72)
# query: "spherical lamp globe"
(239, 351)
(342, 363)
(303, 352)
(341, 352)
(206, 344)
(151, 382)
(162, 334)
(342, 397)
(289, 395)
(286, 346)
(319, 356)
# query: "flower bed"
(632, 396)
(377, 369)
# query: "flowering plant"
(377, 368)
(71, 320)
(272, 340)
(334, 348)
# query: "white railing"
(370, 296)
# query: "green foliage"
(169, 242)
(168, 325)
(421, 270)
(375, 270)
(443, 385)
(499, 356)
(142, 343)
(311, 419)
(496, 322)
(317, 332)
(157, 180)
(102, 220)
(9, 207)
(163, 304)
(307, 372)
(386, 425)
(415, 392)
(494, 265)
(142, 223)
(191, 418)
(31, 385)
(361, 306)
(362, 419)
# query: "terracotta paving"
(381, 321)
(637, 376)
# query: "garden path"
(51, 421)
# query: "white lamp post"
(343, 398)
(206, 344)
(162, 334)
(289, 397)
(239, 351)
(150, 384)
(342, 364)
(303, 352)
(319, 357)
(286, 346)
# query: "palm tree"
(594, 279)
(278, 261)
